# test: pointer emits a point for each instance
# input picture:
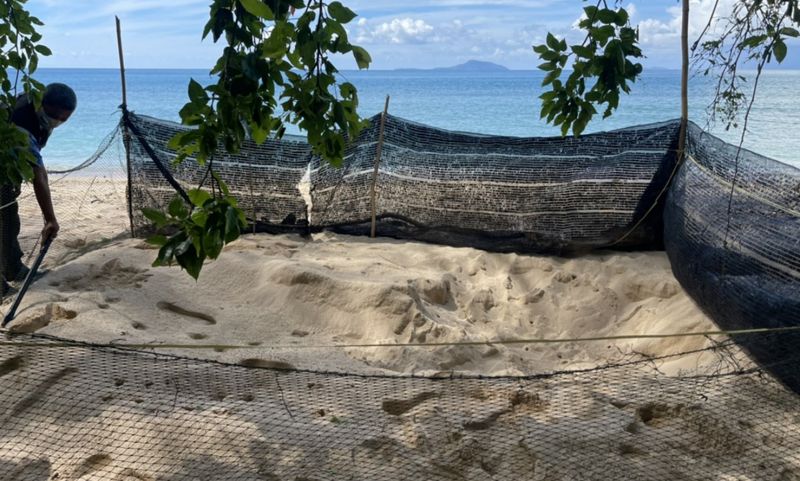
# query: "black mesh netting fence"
(732, 230)
(497, 193)
(72, 411)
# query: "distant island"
(469, 66)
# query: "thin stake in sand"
(373, 229)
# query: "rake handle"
(28, 280)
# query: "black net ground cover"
(496, 193)
(73, 411)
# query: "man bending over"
(58, 104)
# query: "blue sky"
(398, 33)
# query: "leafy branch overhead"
(602, 68)
(750, 34)
(275, 70)
(754, 33)
(19, 58)
(204, 227)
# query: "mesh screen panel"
(497, 193)
(264, 178)
(735, 246)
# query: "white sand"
(274, 292)
(282, 291)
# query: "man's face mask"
(48, 122)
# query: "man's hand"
(50, 230)
(42, 190)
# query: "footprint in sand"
(396, 407)
(111, 274)
(26, 469)
(93, 463)
(52, 312)
(484, 422)
(168, 306)
(10, 365)
(41, 390)
(132, 475)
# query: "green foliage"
(274, 70)
(755, 33)
(19, 59)
(200, 230)
(601, 69)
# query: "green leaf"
(197, 93)
(362, 57)
(606, 15)
(155, 216)
(258, 8)
(780, 50)
(222, 185)
(212, 243)
(551, 76)
(752, 42)
(790, 32)
(552, 41)
(340, 13)
(584, 52)
(231, 224)
(622, 17)
(198, 197)
(177, 208)
(43, 50)
(191, 262)
(183, 247)
(157, 240)
(540, 49)
(200, 217)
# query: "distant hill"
(470, 66)
(476, 66)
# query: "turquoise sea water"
(491, 103)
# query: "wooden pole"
(126, 138)
(684, 81)
(373, 230)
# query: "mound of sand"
(277, 292)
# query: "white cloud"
(397, 31)
(666, 33)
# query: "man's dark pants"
(10, 251)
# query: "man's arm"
(42, 190)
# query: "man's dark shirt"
(24, 115)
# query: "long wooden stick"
(12, 312)
(373, 229)
(126, 138)
(684, 81)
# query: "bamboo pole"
(126, 138)
(684, 81)
(373, 229)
